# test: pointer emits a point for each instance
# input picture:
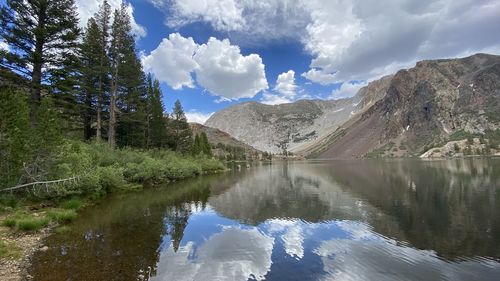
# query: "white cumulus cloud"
(285, 84)
(348, 89)
(351, 39)
(87, 9)
(194, 116)
(219, 66)
(172, 61)
(226, 73)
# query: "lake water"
(338, 220)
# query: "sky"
(211, 54)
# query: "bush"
(32, 224)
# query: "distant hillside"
(399, 115)
(225, 145)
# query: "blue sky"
(277, 51)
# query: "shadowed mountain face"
(335, 220)
(409, 110)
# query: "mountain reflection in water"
(339, 220)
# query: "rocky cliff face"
(423, 107)
(293, 127)
(398, 115)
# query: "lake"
(316, 220)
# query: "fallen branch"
(46, 183)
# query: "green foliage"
(32, 223)
(63, 216)
(180, 130)
(456, 147)
(72, 204)
(9, 222)
(9, 200)
(15, 148)
(38, 32)
(157, 130)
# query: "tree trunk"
(87, 118)
(98, 135)
(112, 113)
(36, 75)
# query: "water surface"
(339, 220)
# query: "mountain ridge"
(411, 109)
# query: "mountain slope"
(424, 106)
(294, 126)
(398, 115)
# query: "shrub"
(32, 224)
(110, 177)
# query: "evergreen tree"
(157, 136)
(181, 131)
(103, 21)
(206, 148)
(127, 86)
(14, 135)
(196, 145)
(90, 58)
(42, 35)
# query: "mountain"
(295, 126)
(224, 144)
(398, 115)
(423, 107)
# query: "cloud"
(198, 117)
(285, 84)
(245, 21)
(172, 61)
(342, 257)
(87, 9)
(226, 73)
(285, 90)
(352, 39)
(273, 99)
(348, 89)
(219, 67)
(233, 254)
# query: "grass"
(26, 222)
(32, 223)
(9, 251)
(72, 204)
(63, 216)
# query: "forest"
(77, 110)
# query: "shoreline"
(25, 244)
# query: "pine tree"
(15, 146)
(157, 136)
(196, 145)
(178, 125)
(90, 58)
(103, 21)
(128, 95)
(206, 148)
(42, 35)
